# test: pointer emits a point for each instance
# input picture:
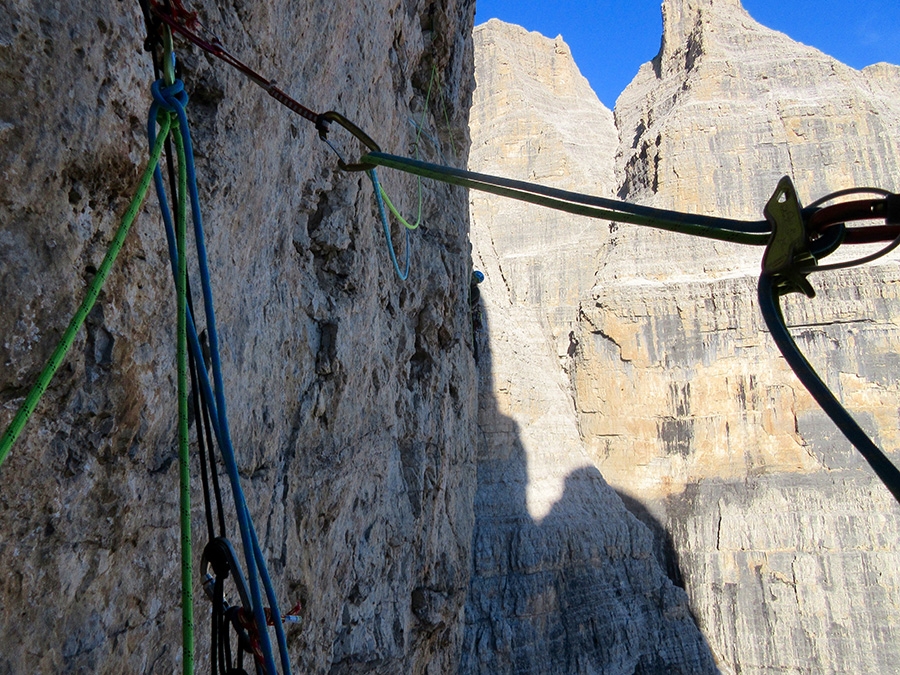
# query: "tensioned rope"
(800, 257)
(796, 245)
(756, 233)
(185, 23)
(771, 310)
(254, 559)
(724, 229)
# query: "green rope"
(387, 200)
(447, 121)
(569, 202)
(37, 391)
(184, 447)
(184, 457)
(390, 205)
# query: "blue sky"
(610, 40)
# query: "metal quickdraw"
(220, 562)
(187, 24)
(799, 239)
(173, 15)
(359, 134)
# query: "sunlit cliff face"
(652, 343)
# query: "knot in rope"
(172, 98)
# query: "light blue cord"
(385, 223)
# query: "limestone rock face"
(682, 394)
(346, 388)
(728, 107)
(537, 117)
(781, 535)
(564, 577)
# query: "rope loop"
(386, 226)
(172, 98)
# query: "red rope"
(186, 24)
(860, 209)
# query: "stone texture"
(811, 587)
(728, 107)
(564, 577)
(537, 117)
(781, 531)
(780, 534)
(347, 389)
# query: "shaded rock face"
(564, 579)
(664, 376)
(347, 389)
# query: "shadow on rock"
(579, 591)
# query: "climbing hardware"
(794, 238)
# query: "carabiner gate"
(332, 116)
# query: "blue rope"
(385, 223)
(193, 339)
(174, 98)
(771, 311)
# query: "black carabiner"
(787, 253)
(331, 116)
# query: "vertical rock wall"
(348, 390)
(786, 540)
(564, 577)
(781, 535)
